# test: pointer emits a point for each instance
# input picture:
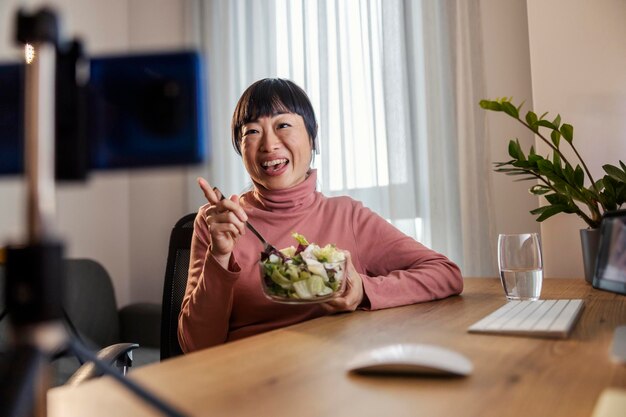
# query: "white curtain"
(395, 85)
(238, 39)
(453, 162)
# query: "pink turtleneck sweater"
(222, 305)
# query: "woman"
(274, 130)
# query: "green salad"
(305, 272)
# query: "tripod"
(34, 273)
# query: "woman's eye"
(283, 125)
(250, 132)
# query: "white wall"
(121, 219)
(578, 57)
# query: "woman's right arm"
(207, 304)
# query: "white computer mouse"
(417, 359)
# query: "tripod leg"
(23, 382)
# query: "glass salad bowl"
(303, 275)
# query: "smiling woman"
(274, 130)
(276, 150)
(275, 140)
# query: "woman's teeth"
(274, 162)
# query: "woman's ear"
(316, 144)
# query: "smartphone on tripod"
(136, 111)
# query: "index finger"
(210, 195)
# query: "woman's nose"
(270, 141)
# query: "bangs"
(261, 106)
(267, 98)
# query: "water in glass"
(522, 284)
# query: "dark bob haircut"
(271, 96)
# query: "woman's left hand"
(352, 295)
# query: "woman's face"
(276, 150)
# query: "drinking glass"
(521, 266)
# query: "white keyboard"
(543, 318)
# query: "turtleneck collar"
(300, 195)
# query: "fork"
(267, 247)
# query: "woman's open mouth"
(275, 166)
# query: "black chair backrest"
(175, 284)
(89, 303)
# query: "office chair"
(91, 315)
(91, 307)
(175, 284)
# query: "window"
(334, 50)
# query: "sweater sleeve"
(397, 269)
(207, 304)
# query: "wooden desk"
(299, 371)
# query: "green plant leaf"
(597, 185)
(556, 161)
(499, 164)
(561, 186)
(546, 123)
(615, 172)
(539, 189)
(524, 164)
(505, 170)
(579, 176)
(490, 105)
(513, 150)
(517, 172)
(531, 119)
(620, 194)
(568, 132)
(556, 199)
(511, 173)
(556, 138)
(557, 121)
(589, 196)
(510, 109)
(623, 166)
(609, 193)
(539, 210)
(543, 115)
(551, 211)
(610, 183)
(569, 174)
(545, 167)
(533, 158)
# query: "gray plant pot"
(590, 240)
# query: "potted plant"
(567, 186)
